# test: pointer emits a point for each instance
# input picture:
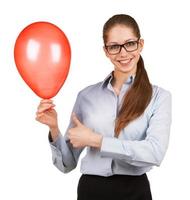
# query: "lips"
(124, 62)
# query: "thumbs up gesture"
(82, 136)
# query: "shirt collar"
(108, 79)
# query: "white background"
(26, 170)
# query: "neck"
(120, 78)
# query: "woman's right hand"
(46, 114)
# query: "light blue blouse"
(140, 146)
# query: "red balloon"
(42, 55)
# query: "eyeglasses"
(128, 46)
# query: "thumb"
(75, 120)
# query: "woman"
(124, 122)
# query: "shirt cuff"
(114, 148)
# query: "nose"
(123, 51)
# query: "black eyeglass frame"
(122, 45)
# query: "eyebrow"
(129, 40)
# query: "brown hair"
(139, 95)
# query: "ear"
(105, 51)
(141, 44)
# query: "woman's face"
(123, 61)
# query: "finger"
(46, 101)
(50, 111)
(39, 115)
(69, 137)
(75, 120)
(45, 107)
(70, 132)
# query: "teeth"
(124, 61)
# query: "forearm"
(142, 153)
(64, 156)
(54, 132)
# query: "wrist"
(54, 131)
(96, 140)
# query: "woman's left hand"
(82, 136)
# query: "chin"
(126, 69)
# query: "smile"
(125, 61)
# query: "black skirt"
(116, 187)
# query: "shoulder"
(160, 97)
(91, 90)
(159, 92)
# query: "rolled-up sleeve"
(151, 150)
